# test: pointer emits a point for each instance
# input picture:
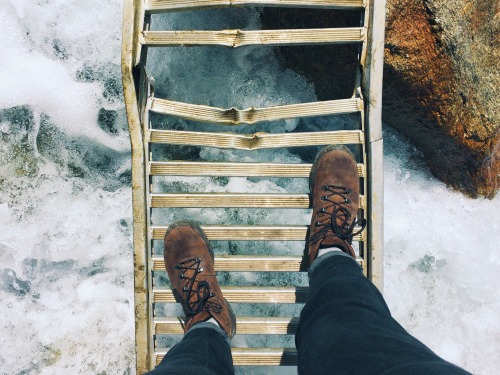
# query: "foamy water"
(66, 273)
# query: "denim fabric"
(212, 326)
(332, 253)
(345, 328)
(202, 350)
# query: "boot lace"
(328, 222)
(193, 287)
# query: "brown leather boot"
(189, 260)
(334, 184)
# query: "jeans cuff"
(334, 253)
(213, 326)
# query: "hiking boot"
(189, 261)
(334, 184)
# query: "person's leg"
(203, 350)
(210, 322)
(346, 328)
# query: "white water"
(65, 212)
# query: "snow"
(66, 272)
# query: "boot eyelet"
(348, 191)
(348, 201)
(181, 276)
(323, 198)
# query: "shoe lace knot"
(195, 292)
(335, 222)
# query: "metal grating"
(153, 300)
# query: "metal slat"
(182, 168)
(233, 200)
(249, 233)
(242, 294)
(246, 263)
(233, 116)
(240, 38)
(230, 200)
(243, 263)
(160, 6)
(246, 325)
(245, 232)
(253, 356)
(255, 141)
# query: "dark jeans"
(345, 328)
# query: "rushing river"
(66, 273)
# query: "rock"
(441, 87)
(441, 80)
